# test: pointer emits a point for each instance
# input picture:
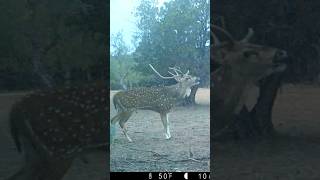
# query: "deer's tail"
(115, 101)
(117, 106)
(14, 128)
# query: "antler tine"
(248, 36)
(175, 69)
(160, 74)
(228, 35)
(217, 42)
(178, 69)
(171, 73)
(177, 74)
(187, 72)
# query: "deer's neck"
(228, 88)
(177, 90)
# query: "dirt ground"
(150, 151)
(294, 154)
(11, 160)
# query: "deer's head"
(246, 59)
(184, 80)
(241, 65)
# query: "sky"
(122, 18)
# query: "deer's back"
(153, 98)
(64, 121)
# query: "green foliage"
(122, 65)
(290, 25)
(176, 34)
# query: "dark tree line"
(52, 43)
(290, 25)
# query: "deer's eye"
(249, 53)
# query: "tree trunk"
(89, 76)
(258, 122)
(38, 67)
(37, 49)
(67, 77)
(191, 100)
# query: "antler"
(176, 70)
(173, 76)
(227, 34)
(248, 36)
(217, 42)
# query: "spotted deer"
(158, 99)
(241, 65)
(53, 127)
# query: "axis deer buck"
(53, 127)
(158, 99)
(241, 66)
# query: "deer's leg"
(166, 125)
(44, 170)
(54, 169)
(31, 161)
(38, 167)
(123, 119)
(117, 117)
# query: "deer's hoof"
(168, 136)
(129, 139)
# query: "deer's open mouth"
(279, 61)
(197, 81)
(279, 68)
(279, 64)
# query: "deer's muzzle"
(197, 81)
(279, 61)
(280, 57)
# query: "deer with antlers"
(157, 99)
(241, 65)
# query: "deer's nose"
(280, 56)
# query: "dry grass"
(292, 155)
